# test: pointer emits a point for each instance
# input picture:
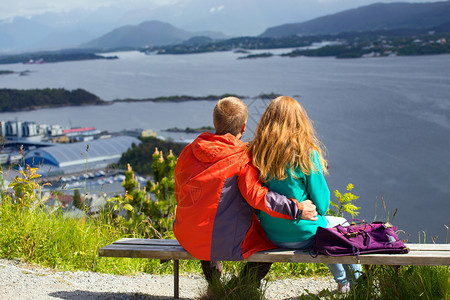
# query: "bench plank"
(430, 258)
(428, 247)
(167, 242)
(420, 254)
(134, 241)
(144, 251)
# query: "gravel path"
(23, 281)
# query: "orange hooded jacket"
(217, 190)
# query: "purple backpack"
(360, 238)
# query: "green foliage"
(401, 283)
(164, 175)
(51, 240)
(231, 286)
(285, 270)
(25, 187)
(77, 201)
(412, 282)
(151, 219)
(28, 230)
(344, 203)
(235, 288)
(141, 156)
(394, 282)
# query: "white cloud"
(11, 8)
(217, 9)
(24, 8)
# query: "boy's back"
(212, 216)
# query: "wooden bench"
(420, 254)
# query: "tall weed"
(403, 283)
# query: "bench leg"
(176, 279)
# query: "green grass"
(406, 282)
(52, 240)
(37, 235)
(49, 239)
(235, 288)
(396, 283)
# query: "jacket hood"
(209, 147)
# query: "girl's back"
(300, 187)
(289, 158)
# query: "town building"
(28, 131)
(78, 157)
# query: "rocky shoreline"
(20, 281)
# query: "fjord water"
(385, 121)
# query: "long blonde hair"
(285, 137)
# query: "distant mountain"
(150, 33)
(378, 16)
(20, 33)
(6, 39)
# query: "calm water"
(384, 121)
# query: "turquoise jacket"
(313, 187)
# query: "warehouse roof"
(66, 155)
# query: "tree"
(152, 218)
(77, 201)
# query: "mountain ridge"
(29, 34)
(371, 17)
(148, 33)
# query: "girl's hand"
(309, 211)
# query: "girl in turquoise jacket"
(290, 162)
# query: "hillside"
(378, 16)
(150, 33)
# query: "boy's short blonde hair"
(230, 115)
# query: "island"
(377, 43)
(191, 130)
(260, 55)
(51, 57)
(181, 98)
(18, 100)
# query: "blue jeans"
(341, 273)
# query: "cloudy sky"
(11, 8)
(238, 17)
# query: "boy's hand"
(309, 211)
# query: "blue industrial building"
(77, 157)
